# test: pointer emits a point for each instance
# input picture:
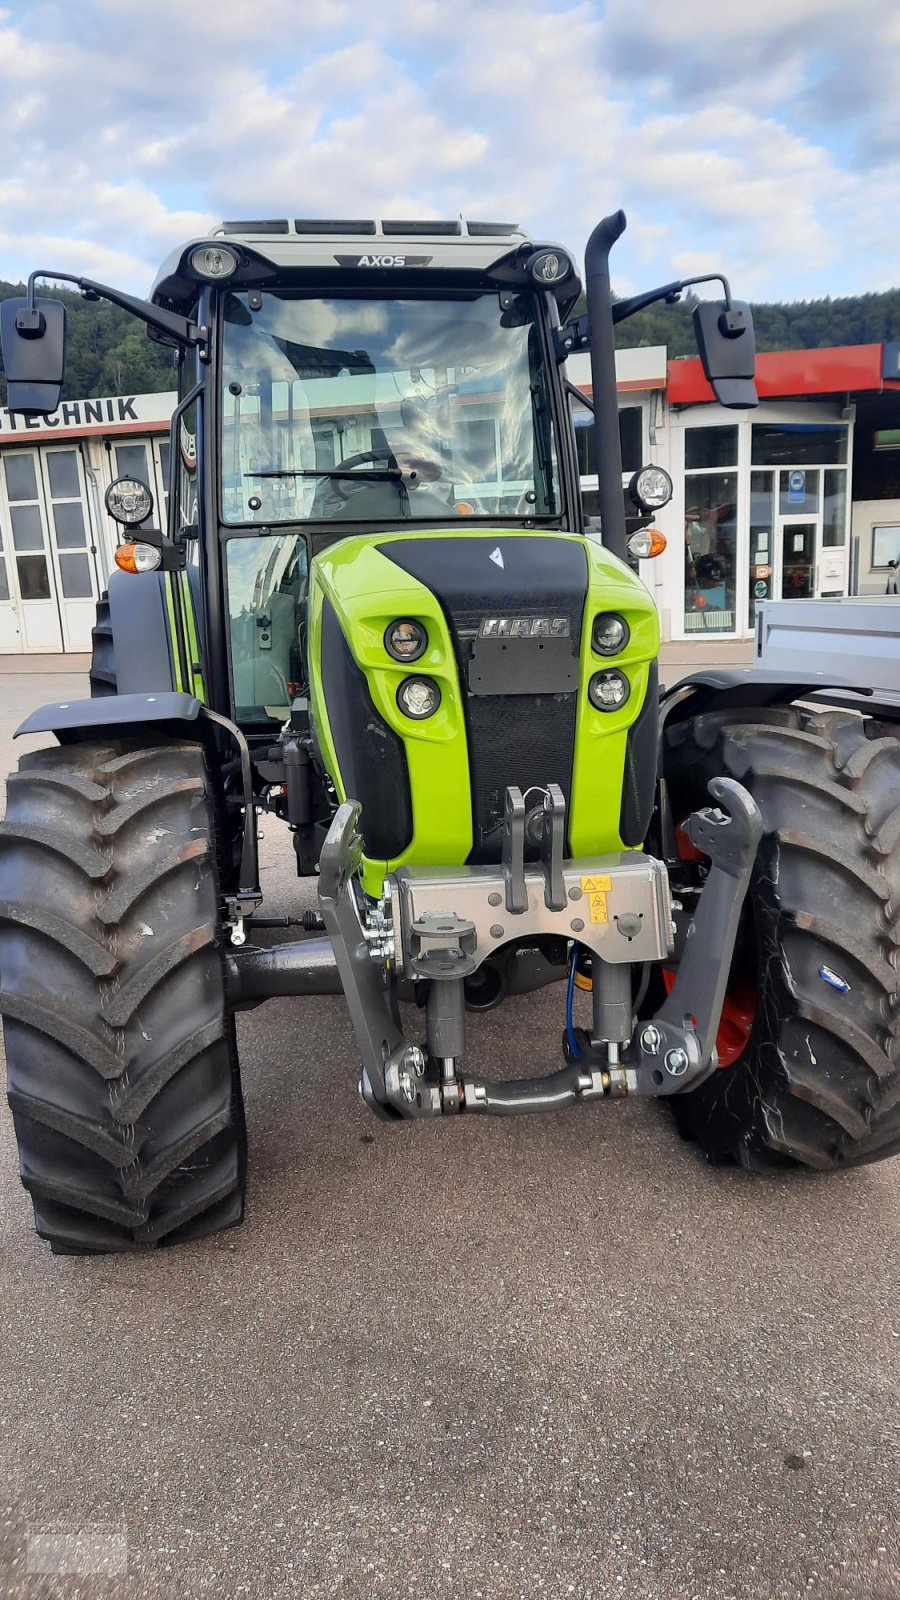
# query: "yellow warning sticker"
(597, 904)
(600, 883)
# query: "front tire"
(121, 1058)
(817, 1083)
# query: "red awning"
(839, 369)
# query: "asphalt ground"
(516, 1358)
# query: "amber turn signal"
(137, 557)
(646, 543)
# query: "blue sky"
(763, 139)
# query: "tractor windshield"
(381, 409)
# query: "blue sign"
(890, 359)
(796, 488)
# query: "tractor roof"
(272, 247)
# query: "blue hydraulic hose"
(570, 996)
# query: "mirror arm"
(668, 291)
(167, 322)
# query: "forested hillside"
(109, 353)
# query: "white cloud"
(757, 139)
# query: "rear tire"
(818, 1082)
(103, 653)
(122, 1067)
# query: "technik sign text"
(89, 414)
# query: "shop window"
(62, 468)
(631, 439)
(886, 439)
(631, 436)
(710, 447)
(886, 544)
(762, 540)
(75, 572)
(710, 552)
(798, 444)
(21, 482)
(798, 490)
(27, 529)
(4, 580)
(834, 522)
(68, 519)
(34, 579)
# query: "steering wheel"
(411, 471)
(344, 490)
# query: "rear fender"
(735, 689)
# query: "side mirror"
(727, 348)
(34, 354)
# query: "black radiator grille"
(527, 740)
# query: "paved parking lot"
(506, 1359)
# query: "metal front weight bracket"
(676, 1050)
(377, 1031)
(441, 925)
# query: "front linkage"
(441, 925)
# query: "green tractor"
(374, 608)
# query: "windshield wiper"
(380, 474)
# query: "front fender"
(114, 715)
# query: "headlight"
(129, 501)
(549, 266)
(651, 488)
(418, 698)
(608, 690)
(214, 261)
(610, 634)
(405, 640)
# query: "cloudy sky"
(762, 137)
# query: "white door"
(10, 631)
(72, 544)
(807, 568)
(30, 564)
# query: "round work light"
(651, 488)
(610, 634)
(607, 691)
(405, 640)
(129, 501)
(418, 698)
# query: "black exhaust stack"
(602, 346)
